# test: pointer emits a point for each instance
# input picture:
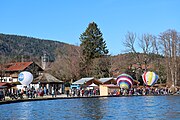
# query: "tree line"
(166, 44)
(157, 53)
(160, 54)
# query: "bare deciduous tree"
(66, 66)
(129, 43)
(170, 40)
(146, 44)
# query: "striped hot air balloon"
(149, 78)
(125, 81)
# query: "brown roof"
(46, 78)
(18, 66)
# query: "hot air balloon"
(125, 81)
(25, 78)
(149, 78)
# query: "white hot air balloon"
(25, 78)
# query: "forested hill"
(14, 46)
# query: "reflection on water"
(134, 108)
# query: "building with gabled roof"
(85, 82)
(46, 78)
(10, 71)
(109, 80)
(18, 66)
(49, 81)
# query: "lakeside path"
(47, 97)
(63, 96)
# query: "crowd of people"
(82, 92)
(30, 93)
(34, 93)
(20, 93)
(145, 91)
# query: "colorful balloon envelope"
(125, 81)
(25, 78)
(149, 78)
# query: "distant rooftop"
(47, 78)
(103, 80)
(17, 66)
(83, 80)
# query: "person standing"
(67, 93)
(52, 92)
(2, 95)
(45, 91)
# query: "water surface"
(107, 108)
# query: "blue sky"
(65, 20)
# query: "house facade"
(9, 72)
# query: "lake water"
(107, 108)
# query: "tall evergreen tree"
(101, 67)
(92, 46)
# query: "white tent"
(93, 85)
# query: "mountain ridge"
(17, 45)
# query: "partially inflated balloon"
(125, 81)
(149, 78)
(25, 78)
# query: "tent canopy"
(83, 80)
(93, 85)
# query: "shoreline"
(65, 97)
